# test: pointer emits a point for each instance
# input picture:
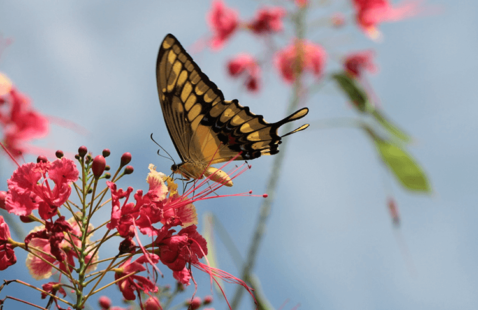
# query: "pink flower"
(5, 84)
(247, 66)
(223, 22)
(53, 288)
(175, 251)
(267, 20)
(27, 193)
(183, 276)
(301, 3)
(20, 122)
(154, 207)
(135, 283)
(104, 302)
(358, 62)
(298, 57)
(372, 12)
(7, 255)
(120, 214)
(52, 240)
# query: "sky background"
(330, 242)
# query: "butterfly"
(205, 128)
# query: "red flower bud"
(152, 304)
(59, 154)
(104, 302)
(41, 158)
(127, 246)
(128, 170)
(25, 219)
(125, 159)
(3, 195)
(106, 152)
(195, 303)
(98, 166)
(82, 150)
(207, 299)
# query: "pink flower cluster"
(161, 204)
(302, 56)
(60, 244)
(224, 22)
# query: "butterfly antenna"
(162, 148)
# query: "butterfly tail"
(296, 130)
(294, 116)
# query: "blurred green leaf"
(262, 302)
(402, 164)
(390, 127)
(357, 95)
(208, 234)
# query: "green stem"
(266, 206)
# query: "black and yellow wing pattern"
(205, 128)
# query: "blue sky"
(330, 243)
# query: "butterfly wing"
(204, 127)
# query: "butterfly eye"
(174, 167)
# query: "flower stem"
(266, 205)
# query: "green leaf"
(262, 302)
(357, 95)
(208, 234)
(390, 127)
(402, 164)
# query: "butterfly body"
(197, 171)
(205, 128)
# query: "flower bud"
(125, 159)
(59, 154)
(107, 168)
(41, 158)
(106, 152)
(207, 299)
(152, 304)
(25, 219)
(77, 157)
(194, 304)
(128, 170)
(3, 195)
(127, 246)
(104, 302)
(107, 176)
(98, 166)
(180, 287)
(88, 158)
(82, 150)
